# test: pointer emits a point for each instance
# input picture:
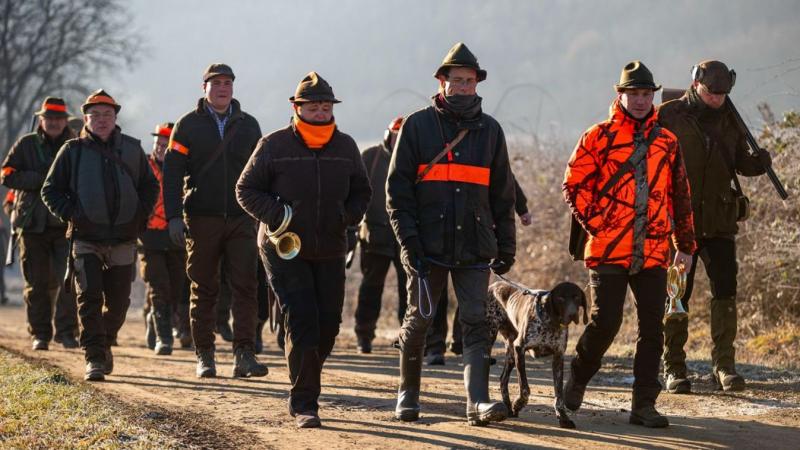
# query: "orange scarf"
(315, 136)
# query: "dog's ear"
(548, 301)
(585, 307)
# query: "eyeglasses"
(458, 81)
(105, 115)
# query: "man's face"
(638, 102)
(712, 100)
(315, 112)
(53, 126)
(219, 92)
(160, 147)
(101, 120)
(459, 81)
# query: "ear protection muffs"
(698, 73)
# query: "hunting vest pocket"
(726, 212)
(486, 240)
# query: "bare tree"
(57, 47)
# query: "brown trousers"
(164, 273)
(43, 261)
(210, 238)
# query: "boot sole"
(207, 374)
(238, 374)
(635, 420)
(94, 377)
(407, 415)
(684, 388)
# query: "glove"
(176, 231)
(275, 216)
(502, 264)
(764, 158)
(413, 257)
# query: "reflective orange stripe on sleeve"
(456, 172)
(178, 147)
(8, 170)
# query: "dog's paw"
(566, 422)
(517, 408)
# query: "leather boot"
(480, 411)
(246, 365)
(259, 344)
(206, 367)
(727, 379)
(574, 390)
(163, 329)
(643, 409)
(407, 408)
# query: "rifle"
(754, 149)
(70, 273)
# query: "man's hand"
(413, 257)
(684, 259)
(176, 231)
(526, 219)
(275, 216)
(502, 264)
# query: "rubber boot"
(676, 333)
(163, 329)
(574, 390)
(407, 408)
(643, 409)
(723, 334)
(480, 411)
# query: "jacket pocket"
(724, 219)
(486, 238)
(431, 228)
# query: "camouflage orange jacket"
(602, 149)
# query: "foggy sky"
(562, 56)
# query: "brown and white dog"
(534, 321)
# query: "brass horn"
(676, 287)
(286, 243)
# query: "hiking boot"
(246, 365)
(364, 346)
(40, 344)
(163, 349)
(109, 364)
(150, 330)
(407, 408)
(206, 367)
(225, 332)
(728, 380)
(647, 416)
(309, 419)
(480, 409)
(67, 340)
(434, 359)
(573, 392)
(94, 371)
(678, 384)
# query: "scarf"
(315, 136)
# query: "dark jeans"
(609, 285)
(311, 294)
(211, 238)
(164, 272)
(374, 267)
(43, 261)
(470, 286)
(436, 340)
(719, 259)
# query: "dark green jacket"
(104, 202)
(194, 140)
(458, 222)
(375, 234)
(24, 170)
(704, 141)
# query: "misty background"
(551, 64)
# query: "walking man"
(42, 236)
(626, 185)
(715, 150)
(102, 185)
(207, 152)
(450, 196)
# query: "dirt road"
(359, 394)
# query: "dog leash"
(522, 288)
